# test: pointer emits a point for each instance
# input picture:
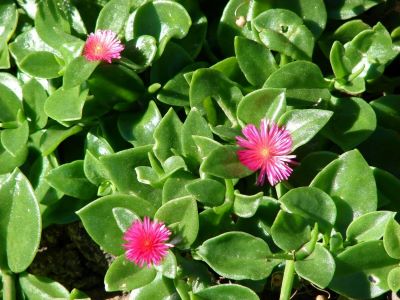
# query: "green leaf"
(182, 217)
(193, 42)
(255, 60)
(113, 15)
(362, 270)
(353, 121)
(54, 29)
(310, 166)
(317, 268)
(53, 136)
(163, 20)
(159, 288)
(41, 64)
(387, 110)
(138, 129)
(124, 217)
(141, 51)
(388, 188)
(176, 90)
(41, 288)
(10, 105)
(237, 255)
(120, 168)
(20, 222)
(124, 275)
(349, 8)
(228, 28)
(303, 81)
(167, 136)
(70, 179)
(35, 97)
(262, 103)
(205, 145)
(283, 31)
(224, 163)
(391, 239)
(77, 71)
(194, 124)
(350, 182)
(168, 266)
(174, 187)
(245, 206)
(368, 227)
(312, 204)
(15, 139)
(207, 191)
(304, 124)
(211, 83)
(393, 279)
(290, 231)
(313, 13)
(66, 104)
(9, 20)
(227, 291)
(100, 211)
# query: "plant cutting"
(199, 150)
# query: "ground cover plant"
(199, 150)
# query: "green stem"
(230, 191)
(9, 292)
(287, 282)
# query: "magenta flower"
(146, 242)
(102, 45)
(266, 149)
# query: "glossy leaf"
(66, 104)
(313, 13)
(368, 227)
(100, 211)
(353, 121)
(255, 60)
(211, 83)
(262, 103)
(290, 231)
(349, 181)
(159, 288)
(139, 129)
(224, 163)
(41, 64)
(20, 222)
(70, 179)
(245, 206)
(362, 270)
(318, 267)
(124, 275)
(168, 267)
(349, 8)
(113, 16)
(35, 97)
(41, 288)
(312, 204)
(387, 111)
(227, 291)
(393, 279)
(237, 255)
(304, 124)
(163, 20)
(77, 71)
(283, 31)
(167, 136)
(391, 239)
(303, 82)
(207, 191)
(182, 217)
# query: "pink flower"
(102, 45)
(146, 242)
(267, 149)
